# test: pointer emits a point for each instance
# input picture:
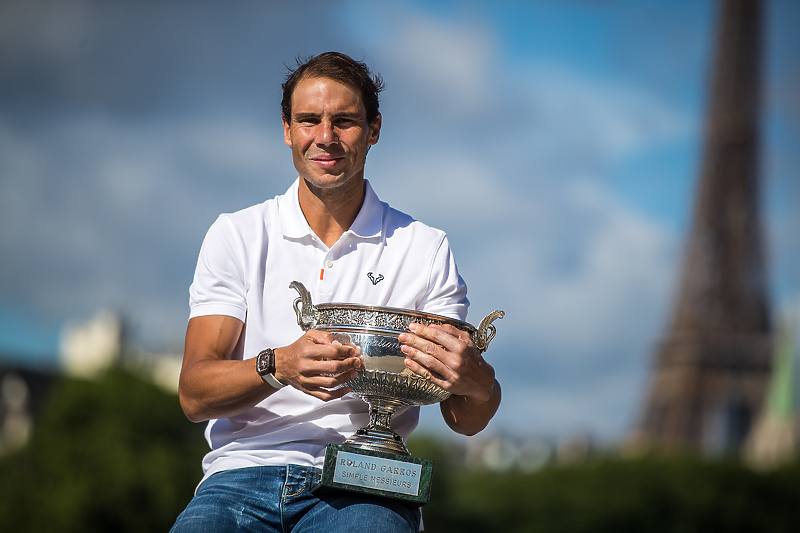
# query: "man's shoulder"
(399, 221)
(243, 225)
(253, 213)
(260, 211)
(393, 220)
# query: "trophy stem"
(378, 435)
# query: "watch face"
(262, 363)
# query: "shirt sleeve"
(218, 287)
(447, 292)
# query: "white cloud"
(455, 189)
(622, 270)
(572, 117)
(603, 406)
(105, 212)
(445, 63)
(450, 64)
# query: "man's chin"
(331, 181)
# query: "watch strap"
(265, 366)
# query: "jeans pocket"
(299, 479)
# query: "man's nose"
(327, 133)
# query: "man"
(270, 392)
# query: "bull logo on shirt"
(374, 279)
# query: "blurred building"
(775, 439)
(711, 370)
(22, 392)
(506, 453)
(90, 347)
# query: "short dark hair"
(338, 67)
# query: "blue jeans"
(278, 499)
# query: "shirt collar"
(369, 221)
(294, 225)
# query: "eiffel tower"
(712, 367)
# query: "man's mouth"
(326, 161)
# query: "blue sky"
(557, 143)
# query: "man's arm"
(447, 356)
(468, 416)
(212, 385)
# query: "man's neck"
(331, 212)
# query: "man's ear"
(287, 138)
(375, 131)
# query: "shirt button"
(329, 263)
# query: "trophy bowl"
(384, 382)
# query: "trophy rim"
(425, 316)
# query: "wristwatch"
(265, 366)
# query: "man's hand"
(447, 357)
(317, 364)
(212, 385)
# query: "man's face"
(328, 132)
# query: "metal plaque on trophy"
(374, 460)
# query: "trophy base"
(376, 473)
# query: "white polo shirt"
(246, 263)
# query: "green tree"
(684, 495)
(116, 454)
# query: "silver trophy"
(384, 382)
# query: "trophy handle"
(303, 308)
(486, 331)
